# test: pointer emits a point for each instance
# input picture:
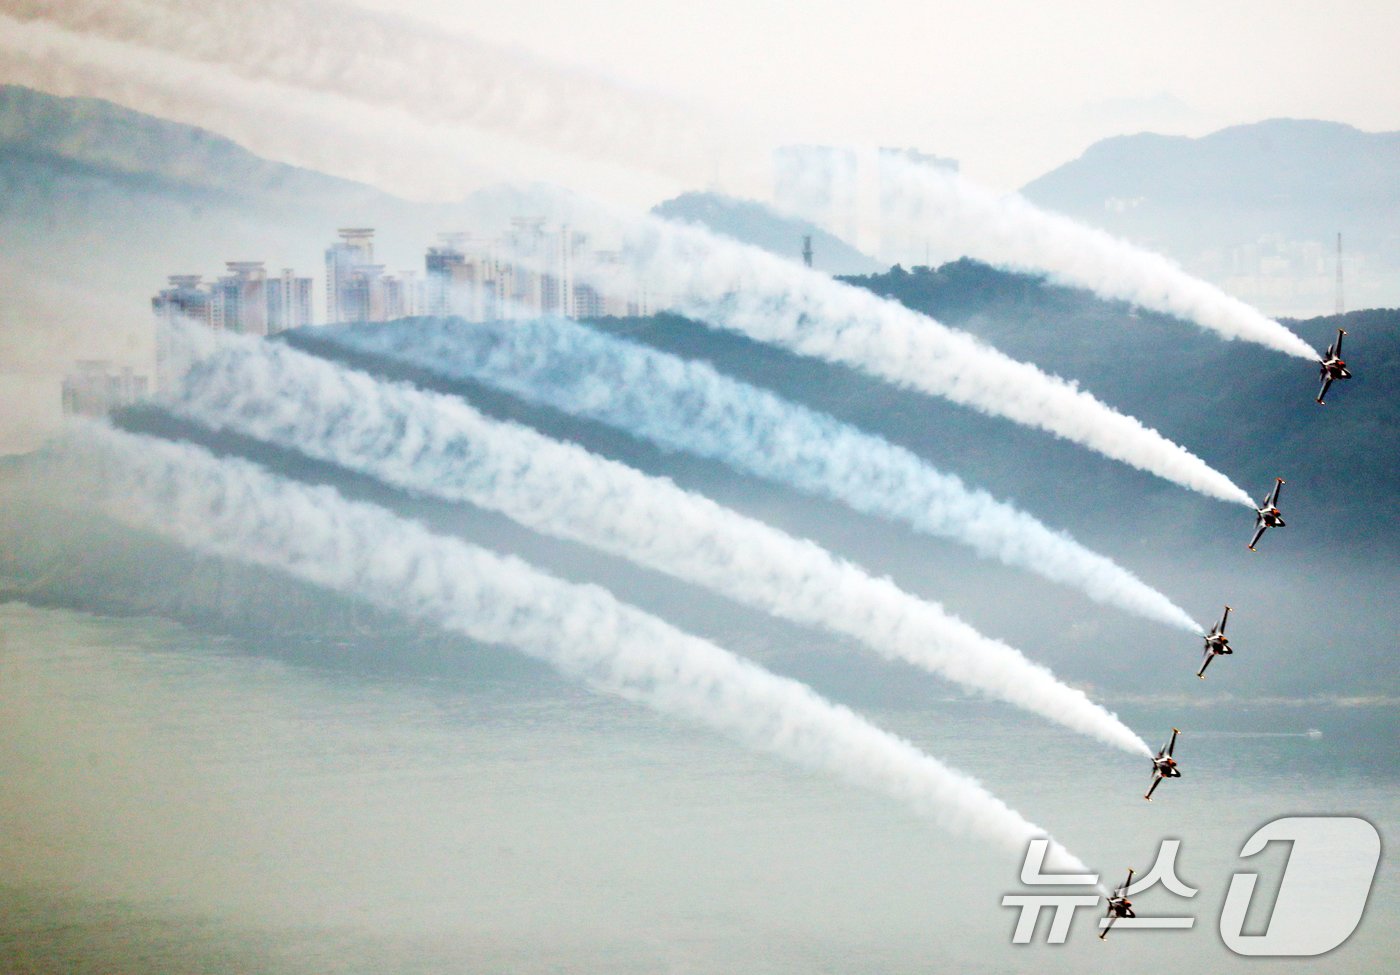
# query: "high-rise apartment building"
(185, 298)
(288, 301)
(95, 388)
(902, 207)
(358, 290)
(347, 294)
(401, 295)
(442, 275)
(245, 300)
(470, 278)
(531, 269)
(240, 299)
(819, 184)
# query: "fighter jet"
(1118, 906)
(1164, 766)
(1217, 643)
(1267, 515)
(1333, 366)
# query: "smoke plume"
(768, 298)
(958, 216)
(452, 78)
(689, 406)
(445, 78)
(236, 510)
(740, 288)
(438, 446)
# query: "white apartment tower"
(818, 184)
(288, 301)
(346, 291)
(239, 301)
(901, 204)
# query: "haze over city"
(662, 487)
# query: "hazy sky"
(1010, 88)
(638, 101)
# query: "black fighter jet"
(1164, 766)
(1267, 515)
(1217, 643)
(1118, 906)
(1333, 366)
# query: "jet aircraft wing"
(1322, 393)
(1258, 533)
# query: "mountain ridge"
(1254, 208)
(755, 223)
(103, 136)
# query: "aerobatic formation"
(438, 446)
(1266, 515)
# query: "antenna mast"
(1341, 305)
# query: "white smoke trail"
(439, 446)
(748, 290)
(444, 77)
(451, 77)
(960, 217)
(689, 406)
(313, 129)
(236, 510)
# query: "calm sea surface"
(176, 802)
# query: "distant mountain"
(102, 139)
(759, 225)
(132, 197)
(99, 204)
(1246, 410)
(91, 231)
(1250, 206)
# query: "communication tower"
(1341, 304)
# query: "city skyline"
(524, 271)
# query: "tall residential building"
(615, 303)
(901, 205)
(240, 299)
(588, 303)
(345, 297)
(185, 298)
(288, 301)
(94, 388)
(818, 183)
(532, 269)
(524, 283)
(542, 278)
(465, 277)
(441, 274)
(401, 295)
(362, 294)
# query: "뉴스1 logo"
(1322, 895)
